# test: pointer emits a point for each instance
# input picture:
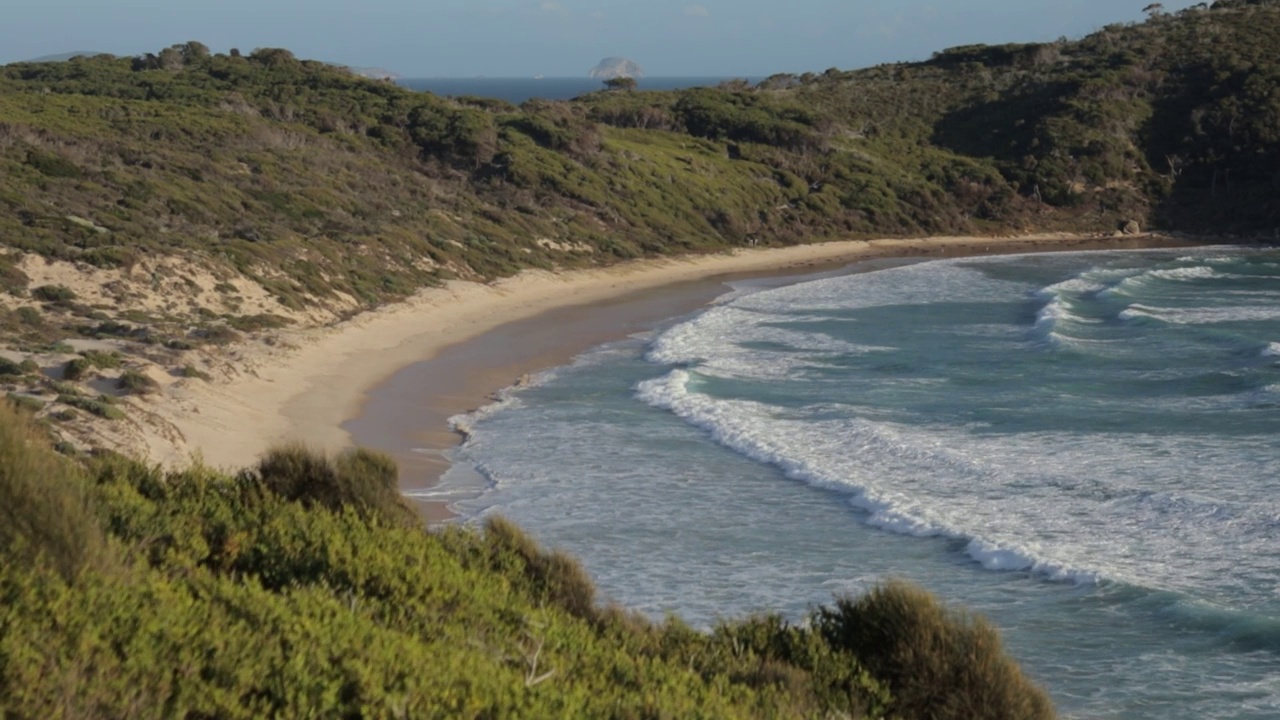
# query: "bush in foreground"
(45, 513)
(305, 587)
(939, 663)
(553, 577)
(361, 479)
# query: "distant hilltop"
(63, 57)
(615, 67)
(372, 73)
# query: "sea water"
(1081, 446)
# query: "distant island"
(616, 67)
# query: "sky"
(558, 38)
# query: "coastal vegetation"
(305, 586)
(158, 211)
(320, 185)
(197, 199)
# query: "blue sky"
(521, 38)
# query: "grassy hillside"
(316, 182)
(303, 587)
(154, 210)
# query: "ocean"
(518, 90)
(1082, 446)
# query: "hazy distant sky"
(521, 38)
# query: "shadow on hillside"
(1219, 156)
(1005, 128)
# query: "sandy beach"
(322, 385)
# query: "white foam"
(1271, 350)
(1049, 315)
(1138, 313)
(747, 427)
(1090, 282)
(722, 342)
(1209, 259)
(720, 338)
(1196, 272)
(1055, 323)
(507, 398)
(1203, 315)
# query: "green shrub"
(553, 576)
(45, 515)
(52, 165)
(10, 368)
(110, 257)
(29, 367)
(108, 328)
(58, 294)
(12, 280)
(77, 369)
(65, 388)
(767, 650)
(254, 323)
(939, 663)
(104, 360)
(26, 403)
(134, 382)
(219, 335)
(99, 407)
(191, 371)
(28, 315)
(361, 479)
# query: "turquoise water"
(1082, 446)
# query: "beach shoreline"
(406, 412)
(307, 383)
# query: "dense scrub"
(297, 588)
(320, 184)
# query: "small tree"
(1154, 9)
(171, 59)
(193, 51)
(621, 83)
(273, 57)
